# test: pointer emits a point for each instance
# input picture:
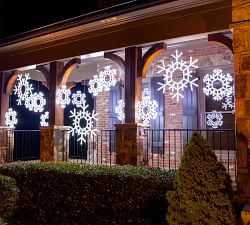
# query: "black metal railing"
(26, 145)
(164, 148)
(99, 149)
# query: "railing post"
(54, 145)
(6, 144)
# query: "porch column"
(4, 99)
(126, 134)
(54, 138)
(241, 43)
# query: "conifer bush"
(202, 189)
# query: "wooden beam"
(222, 39)
(132, 82)
(149, 56)
(67, 69)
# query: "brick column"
(241, 42)
(6, 144)
(54, 144)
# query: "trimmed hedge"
(67, 193)
(8, 197)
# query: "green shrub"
(67, 193)
(202, 188)
(2, 222)
(8, 197)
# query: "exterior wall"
(241, 42)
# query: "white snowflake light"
(62, 96)
(23, 88)
(86, 130)
(119, 109)
(228, 103)
(107, 78)
(218, 84)
(95, 85)
(177, 87)
(44, 119)
(10, 118)
(214, 119)
(35, 102)
(146, 108)
(78, 98)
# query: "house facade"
(139, 43)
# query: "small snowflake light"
(107, 78)
(95, 85)
(44, 119)
(228, 103)
(35, 102)
(62, 96)
(170, 82)
(146, 108)
(81, 117)
(217, 84)
(10, 118)
(23, 88)
(214, 119)
(119, 109)
(78, 98)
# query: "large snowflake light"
(10, 118)
(95, 85)
(217, 84)
(172, 83)
(107, 78)
(23, 88)
(146, 108)
(35, 102)
(119, 109)
(62, 96)
(83, 123)
(214, 119)
(44, 119)
(78, 98)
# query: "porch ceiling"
(152, 24)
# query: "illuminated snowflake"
(228, 103)
(35, 102)
(146, 108)
(185, 68)
(107, 78)
(78, 98)
(62, 96)
(83, 123)
(119, 109)
(10, 118)
(23, 88)
(214, 119)
(44, 119)
(218, 84)
(95, 85)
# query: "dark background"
(20, 16)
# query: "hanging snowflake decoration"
(172, 83)
(107, 78)
(35, 102)
(228, 103)
(78, 98)
(10, 118)
(23, 88)
(83, 123)
(44, 119)
(218, 84)
(62, 96)
(95, 85)
(119, 109)
(146, 108)
(214, 119)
